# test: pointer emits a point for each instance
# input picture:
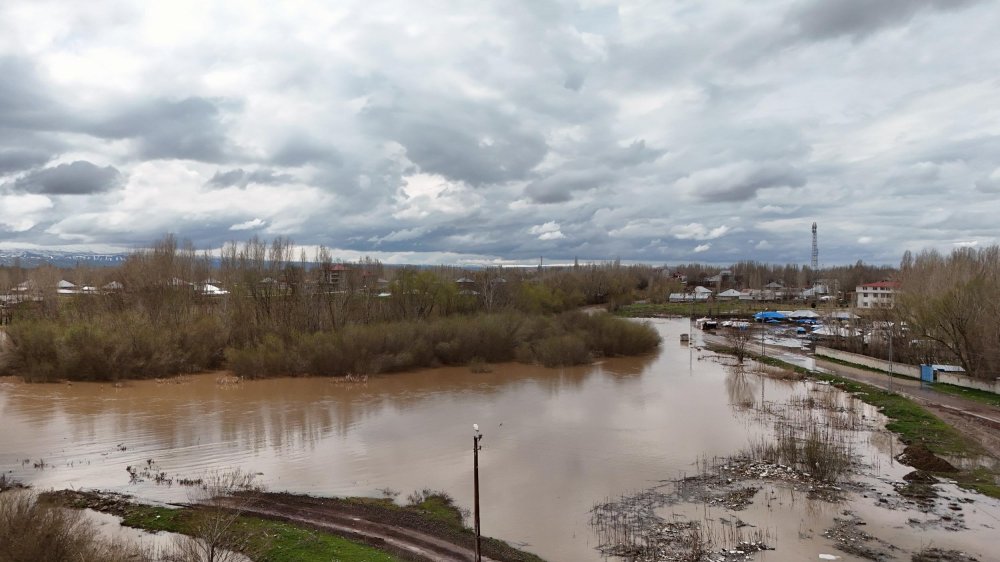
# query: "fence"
(968, 382)
(867, 361)
(913, 371)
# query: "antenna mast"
(815, 252)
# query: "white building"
(877, 295)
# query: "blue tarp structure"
(769, 316)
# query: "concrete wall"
(909, 370)
(874, 363)
(962, 380)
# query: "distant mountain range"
(58, 258)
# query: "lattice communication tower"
(815, 253)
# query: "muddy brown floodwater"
(557, 441)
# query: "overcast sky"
(435, 131)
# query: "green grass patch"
(648, 310)
(982, 396)
(714, 308)
(279, 541)
(428, 511)
(980, 480)
(284, 542)
(152, 518)
(440, 507)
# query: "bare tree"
(951, 300)
(216, 532)
(740, 339)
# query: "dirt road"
(372, 526)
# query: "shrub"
(561, 351)
(609, 336)
(32, 531)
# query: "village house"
(699, 294)
(877, 295)
(729, 295)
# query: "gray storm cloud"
(708, 131)
(76, 178)
(820, 19)
(242, 178)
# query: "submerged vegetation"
(822, 452)
(278, 316)
(915, 426)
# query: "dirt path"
(346, 521)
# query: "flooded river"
(556, 442)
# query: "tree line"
(946, 310)
(155, 317)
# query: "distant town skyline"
(450, 132)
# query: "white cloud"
(19, 213)
(547, 231)
(252, 224)
(698, 231)
(702, 248)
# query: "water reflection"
(742, 388)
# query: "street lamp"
(475, 478)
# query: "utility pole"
(475, 478)
(763, 353)
(890, 357)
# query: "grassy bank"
(434, 514)
(129, 346)
(650, 310)
(912, 423)
(273, 540)
(277, 541)
(982, 396)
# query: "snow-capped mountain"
(59, 258)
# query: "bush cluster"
(567, 339)
(115, 346)
(30, 530)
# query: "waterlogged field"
(623, 454)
